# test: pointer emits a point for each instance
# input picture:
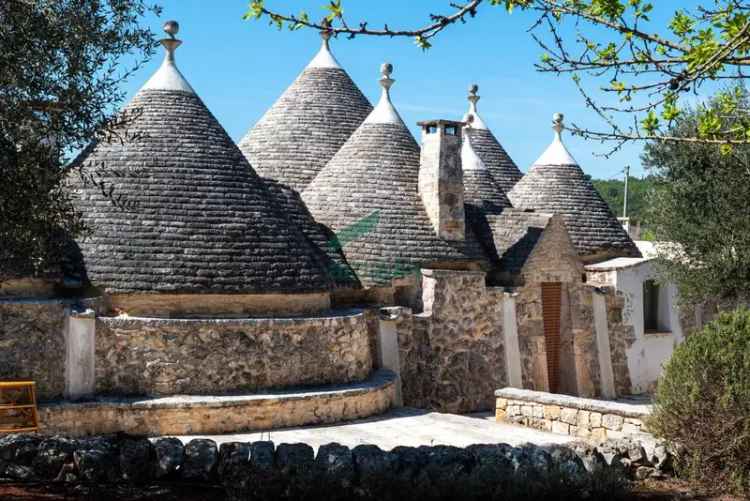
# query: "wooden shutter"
(551, 306)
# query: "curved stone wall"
(188, 415)
(145, 356)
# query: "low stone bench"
(581, 417)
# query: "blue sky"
(239, 68)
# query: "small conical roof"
(173, 206)
(503, 169)
(557, 184)
(367, 195)
(308, 124)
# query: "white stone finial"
(171, 28)
(168, 77)
(384, 112)
(324, 58)
(386, 69)
(476, 121)
(557, 124)
(557, 153)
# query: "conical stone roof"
(367, 195)
(480, 188)
(308, 124)
(175, 207)
(503, 169)
(557, 184)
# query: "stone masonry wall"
(452, 354)
(168, 356)
(32, 344)
(621, 337)
(595, 420)
(554, 259)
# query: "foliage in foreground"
(60, 76)
(702, 404)
(701, 203)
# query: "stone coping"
(377, 380)
(328, 315)
(217, 415)
(631, 410)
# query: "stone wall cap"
(329, 315)
(619, 408)
(432, 272)
(618, 263)
(379, 379)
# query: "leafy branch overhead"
(645, 73)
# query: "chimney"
(441, 183)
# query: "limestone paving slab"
(403, 426)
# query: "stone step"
(207, 414)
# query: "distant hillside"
(612, 191)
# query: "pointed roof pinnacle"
(324, 57)
(556, 153)
(473, 97)
(168, 77)
(384, 112)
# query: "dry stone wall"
(267, 471)
(585, 418)
(137, 356)
(32, 344)
(452, 354)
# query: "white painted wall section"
(607, 374)
(388, 354)
(80, 334)
(512, 347)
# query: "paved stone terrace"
(404, 426)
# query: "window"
(431, 129)
(450, 130)
(650, 306)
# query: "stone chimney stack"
(441, 183)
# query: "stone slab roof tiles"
(175, 207)
(557, 184)
(515, 234)
(308, 124)
(503, 169)
(368, 195)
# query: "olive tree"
(61, 65)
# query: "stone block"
(514, 410)
(595, 419)
(630, 429)
(500, 415)
(538, 411)
(569, 416)
(584, 419)
(547, 426)
(527, 411)
(552, 412)
(612, 422)
(598, 434)
(560, 427)
(501, 403)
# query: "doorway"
(551, 313)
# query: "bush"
(702, 404)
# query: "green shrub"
(702, 404)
